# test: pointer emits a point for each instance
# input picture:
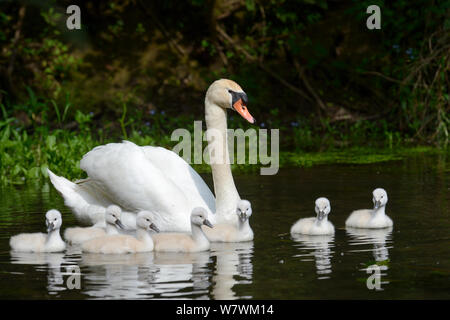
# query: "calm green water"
(414, 256)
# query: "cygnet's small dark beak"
(243, 216)
(321, 214)
(154, 227)
(120, 224)
(207, 223)
(50, 227)
(377, 204)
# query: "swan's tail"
(84, 206)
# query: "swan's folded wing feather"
(125, 174)
(183, 175)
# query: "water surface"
(413, 257)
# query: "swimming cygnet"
(121, 243)
(316, 226)
(79, 235)
(371, 218)
(225, 232)
(41, 242)
(182, 242)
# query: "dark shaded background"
(309, 65)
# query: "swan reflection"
(318, 247)
(379, 240)
(153, 275)
(146, 275)
(46, 262)
(233, 266)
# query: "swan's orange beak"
(240, 107)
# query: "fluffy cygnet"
(79, 235)
(371, 218)
(318, 225)
(226, 232)
(181, 242)
(41, 242)
(121, 243)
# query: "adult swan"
(156, 179)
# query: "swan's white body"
(156, 179)
(312, 226)
(371, 218)
(78, 235)
(41, 242)
(225, 232)
(179, 242)
(120, 243)
(233, 232)
(318, 225)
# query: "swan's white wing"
(87, 204)
(126, 173)
(183, 175)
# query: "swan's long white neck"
(197, 234)
(144, 236)
(320, 222)
(111, 229)
(379, 212)
(53, 236)
(225, 190)
(243, 225)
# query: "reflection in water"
(178, 272)
(50, 262)
(318, 247)
(145, 275)
(116, 276)
(380, 241)
(148, 275)
(233, 266)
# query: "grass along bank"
(39, 133)
(26, 156)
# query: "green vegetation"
(25, 156)
(338, 92)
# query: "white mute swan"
(121, 243)
(79, 235)
(318, 225)
(158, 180)
(41, 242)
(371, 218)
(229, 232)
(180, 242)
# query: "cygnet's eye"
(55, 219)
(148, 220)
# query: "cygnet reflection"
(233, 266)
(52, 263)
(376, 240)
(318, 247)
